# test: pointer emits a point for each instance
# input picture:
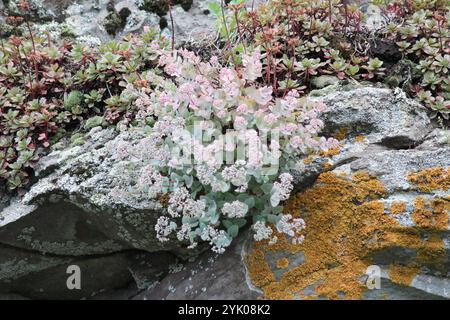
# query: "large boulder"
(77, 207)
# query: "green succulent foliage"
(302, 40)
(52, 88)
(93, 122)
(72, 101)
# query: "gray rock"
(323, 81)
(74, 210)
(35, 276)
(70, 217)
(381, 118)
(209, 277)
(383, 115)
(86, 18)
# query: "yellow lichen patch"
(341, 134)
(308, 160)
(431, 252)
(339, 213)
(360, 138)
(330, 152)
(398, 207)
(327, 166)
(431, 214)
(403, 274)
(431, 179)
(259, 270)
(346, 223)
(282, 263)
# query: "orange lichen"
(403, 275)
(346, 222)
(327, 166)
(330, 152)
(360, 138)
(398, 207)
(308, 160)
(431, 179)
(282, 263)
(431, 214)
(432, 252)
(336, 236)
(341, 134)
(259, 270)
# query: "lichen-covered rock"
(381, 200)
(40, 10)
(366, 120)
(80, 208)
(71, 216)
(97, 21)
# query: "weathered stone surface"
(386, 139)
(101, 20)
(367, 120)
(74, 210)
(211, 276)
(70, 217)
(98, 21)
(34, 275)
(382, 115)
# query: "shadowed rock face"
(211, 276)
(381, 199)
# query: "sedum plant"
(423, 37)
(219, 147)
(302, 40)
(47, 89)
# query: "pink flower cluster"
(224, 98)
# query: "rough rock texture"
(96, 21)
(382, 199)
(70, 217)
(211, 276)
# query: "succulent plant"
(301, 40)
(49, 88)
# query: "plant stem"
(239, 30)
(228, 34)
(36, 69)
(330, 5)
(169, 4)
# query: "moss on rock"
(161, 7)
